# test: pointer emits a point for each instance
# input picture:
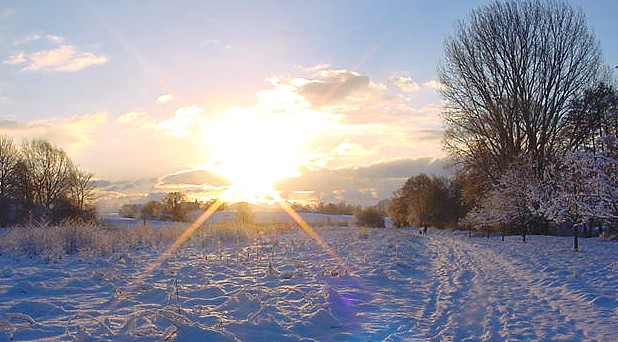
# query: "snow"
(395, 285)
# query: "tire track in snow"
(451, 279)
(561, 312)
(478, 292)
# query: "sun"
(254, 150)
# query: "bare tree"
(592, 116)
(510, 72)
(81, 189)
(51, 172)
(9, 156)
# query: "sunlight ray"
(172, 248)
(306, 227)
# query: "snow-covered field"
(387, 284)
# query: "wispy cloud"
(59, 57)
(165, 98)
(315, 68)
(404, 83)
(16, 59)
(73, 134)
(131, 117)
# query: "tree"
(173, 209)
(518, 196)
(129, 211)
(151, 210)
(494, 209)
(244, 213)
(22, 192)
(9, 157)
(583, 186)
(398, 210)
(39, 181)
(426, 201)
(591, 116)
(82, 193)
(51, 172)
(510, 72)
(582, 183)
(572, 197)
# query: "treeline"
(327, 208)
(174, 207)
(39, 183)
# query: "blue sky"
(131, 89)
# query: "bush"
(370, 217)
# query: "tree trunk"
(575, 238)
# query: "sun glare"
(255, 150)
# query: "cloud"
(193, 178)
(315, 68)
(59, 57)
(132, 117)
(16, 59)
(434, 84)
(368, 119)
(404, 83)
(334, 86)
(184, 121)
(72, 134)
(364, 185)
(165, 98)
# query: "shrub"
(370, 217)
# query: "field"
(231, 284)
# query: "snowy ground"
(399, 287)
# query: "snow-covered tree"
(514, 200)
(583, 186)
(494, 209)
(606, 166)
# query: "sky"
(326, 100)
